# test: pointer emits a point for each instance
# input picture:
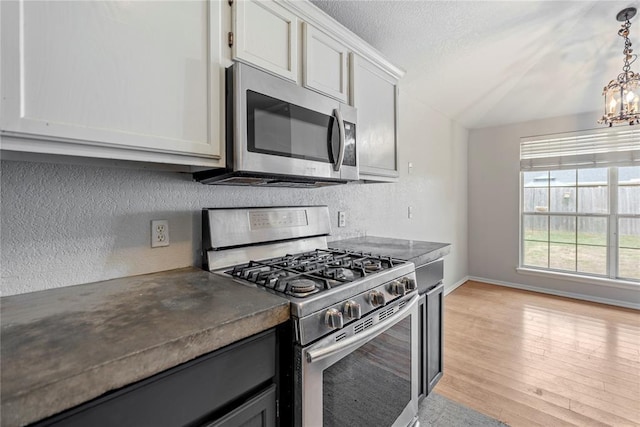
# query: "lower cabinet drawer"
(259, 411)
(185, 394)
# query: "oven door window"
(283, 129)
(372, 385)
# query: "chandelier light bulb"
(630, 96)
(633, 108)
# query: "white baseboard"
(449, 289)
(626, 304)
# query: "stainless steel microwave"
(281, 134)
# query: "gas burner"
(301, 287)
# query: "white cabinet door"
(139, 76)
(375, 95)
(325, 64)
(265, 34)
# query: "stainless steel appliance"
(281, 134)
(354, 315)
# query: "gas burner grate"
(306, 273)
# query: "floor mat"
(438, 411)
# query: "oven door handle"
(356, 340)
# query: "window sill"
(623, 284)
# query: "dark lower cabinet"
(429, 277)
(234, 386)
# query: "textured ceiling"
(487, 63)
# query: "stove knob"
(333, 319)
(352, 310)
(398, 288)
(377, 298)
(409, 283)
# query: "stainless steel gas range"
(354, 315)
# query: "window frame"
(617, 221)
(613, 217)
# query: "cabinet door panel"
(266, 35)
(375, 96)
(434, 337)
(260, 411)
(325, 64)
(131, 74)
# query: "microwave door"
(281, 128)
(286, 138)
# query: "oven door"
(367, 379)
(282, 128)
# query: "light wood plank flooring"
(532, 359)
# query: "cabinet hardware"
(230, 38)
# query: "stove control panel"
(277, 218)
(341, 314)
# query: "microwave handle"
(338, 163)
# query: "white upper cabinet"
(265, 34)
(325, 63)
(375, 95)
(143, 81)
(143, 78)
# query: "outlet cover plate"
(159, 233)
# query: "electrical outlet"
(342, 219)
(410, 212)
(159, 233)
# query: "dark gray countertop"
(416, 251)
(65, 346)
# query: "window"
(580, 203)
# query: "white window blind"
(584, 149)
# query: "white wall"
(66, 224)
(494, 162)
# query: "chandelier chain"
(624, 32)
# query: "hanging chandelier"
(621, 95)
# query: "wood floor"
(531, 359)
